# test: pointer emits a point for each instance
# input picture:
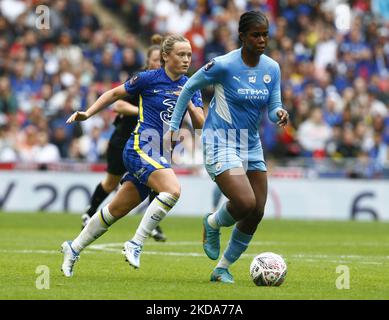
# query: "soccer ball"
(268, 269)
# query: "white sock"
(156, 211)
(212, 221)
(95, 228)
(223, 263)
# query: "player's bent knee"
(109, 188)
(259, 209)
(245, 206)
(250, 224)
(257, 217)
(175, 192)
(248, 209)
(110, 183)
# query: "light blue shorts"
(216, 165)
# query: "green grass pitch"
(178, 269)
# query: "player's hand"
(283, 115)
(171, 141)
(168, 141)
(77, 116)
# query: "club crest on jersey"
(209, 65)
(252, 79)
(266, 78)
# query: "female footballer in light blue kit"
(246, 82)
(143, 158)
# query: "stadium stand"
(334, 57)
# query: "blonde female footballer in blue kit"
(143, 158)
(246, 82)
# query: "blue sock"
(238, 244)
(216, 196)
(223, 218)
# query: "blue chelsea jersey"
(157, 98)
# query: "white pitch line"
(308, 258)
(116, 248)
(179, 254)
(268, 243)
(30, 251)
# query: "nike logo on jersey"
(236, 78)
(156, 91)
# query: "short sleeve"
(136, 84)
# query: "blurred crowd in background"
(334, 59)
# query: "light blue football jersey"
(242, 95)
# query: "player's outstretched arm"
(102, 102)
(125, 108)
(195, 82)
(196, 115)
(77, 116)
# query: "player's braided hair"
(168, 44)
(249, 18)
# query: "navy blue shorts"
(140, 163)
